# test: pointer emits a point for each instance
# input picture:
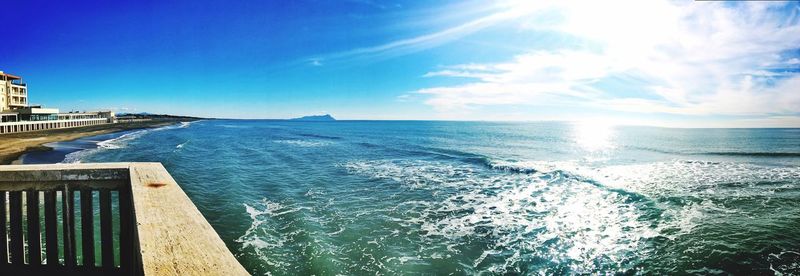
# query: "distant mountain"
(315, 118)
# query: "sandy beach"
(12, 146)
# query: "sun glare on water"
(594, 136)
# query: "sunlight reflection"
(594, 135)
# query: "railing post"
(87, 228)
(106, 229)
(16, 247)
(69, 226)
(34, 235)
(51, 233)
(4, 241)
(127, 246)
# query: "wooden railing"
(146, 224)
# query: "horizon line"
(612, 124)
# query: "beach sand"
(12, 146)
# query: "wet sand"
(12, 146)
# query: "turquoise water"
(370, 197)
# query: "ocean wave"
(684, 176)
(187, 124)
(532, 214)
(234, 126)
(512, 166)
(76, 157)
(558, 206)
(721, 153)
(273, 236)
(785, 263)
(122, 141)
(753, 154)
(687, 177)
(304, 143)
(311, 135)
(531, 166)
(119, 142)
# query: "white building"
(16, 115)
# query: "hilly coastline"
(315, 118)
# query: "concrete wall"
(133, 120)
(17, 127)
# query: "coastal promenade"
(28, 126)
(13, 145)
(159, 231)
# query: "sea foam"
(119, 142)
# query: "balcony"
(17, 100)
(146, 224)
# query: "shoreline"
(14, 146)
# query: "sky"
(664, 63)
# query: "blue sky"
(671, 63)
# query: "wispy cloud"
(499, 13)
(315, 62)
(692, 58)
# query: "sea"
(479, 198)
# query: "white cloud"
(695, 58)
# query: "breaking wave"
(518, 216)
(304, 143)
(581, 219)
(119, 142)
(755, 154)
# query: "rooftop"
(10, 76)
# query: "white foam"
(580, 218)
(531, 165)
(188, 124)
(583, 225)
(785, 263)
(265, 237)
(676, 178)
(304, 143)
(682, 177)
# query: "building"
(17, 115)
(13, 92)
